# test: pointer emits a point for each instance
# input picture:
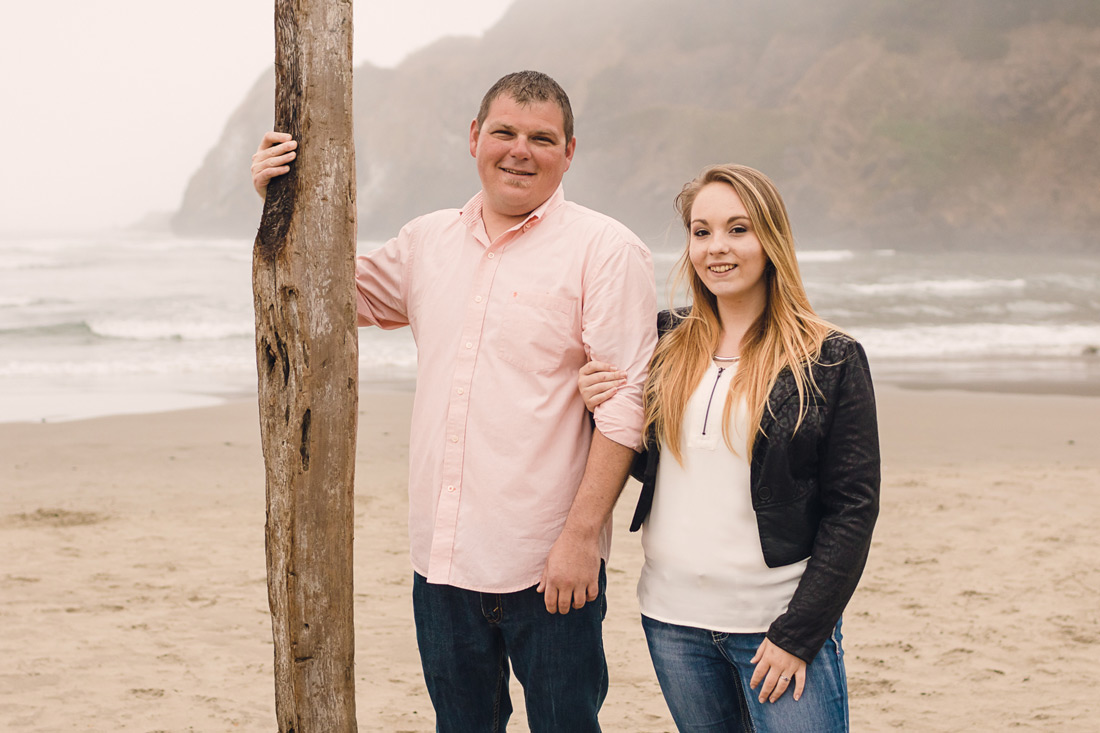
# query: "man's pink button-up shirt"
(500, 434)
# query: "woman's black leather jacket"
(815, 491)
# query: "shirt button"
(461, 391)
(454, 438)
(469, 345)
(477, 299)
(491, 255)
(451, 489)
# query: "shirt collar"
(470, 214)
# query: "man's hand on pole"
(272, 159)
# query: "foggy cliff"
(884, 123)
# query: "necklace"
(725, 358)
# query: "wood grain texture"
(307, 360)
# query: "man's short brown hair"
(526, 87)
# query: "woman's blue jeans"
(705, 675)
(467, 640)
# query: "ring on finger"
(785, 679)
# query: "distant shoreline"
(133, 406)
(1008, 387)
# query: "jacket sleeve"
(644, 466)
(639, 463)
(848, 485)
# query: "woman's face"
(724, 248)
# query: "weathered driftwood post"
(307, 358)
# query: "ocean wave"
(391, 352)
(913, 310)
(124, 367)
(963, 286)
(399, 359)
(1067, 281)
(1027, 308)
(399, 353)
(26, 309)
(177, 330)
(394, 353)
(809, 255)
(825, 255)
(27, 262)
(51, 330)
(981, 340)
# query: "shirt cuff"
(620, 419)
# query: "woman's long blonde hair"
(787, 335)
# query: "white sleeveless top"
(703, 563)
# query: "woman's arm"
(598, 381)
(848, 483)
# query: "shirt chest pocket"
(536, 331)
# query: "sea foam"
(158, 330)
(964, 287)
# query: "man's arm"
(620, 313)
(571, 576)
(272, 159)
(379, 275)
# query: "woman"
(758, 519)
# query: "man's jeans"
(467, 640)
(705, 675)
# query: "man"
(510, 487)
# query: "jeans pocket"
(836, 637)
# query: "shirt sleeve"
(619, 318)
(381, 282)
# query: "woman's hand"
(776, 669)
(598, 381)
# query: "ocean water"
(127, 322)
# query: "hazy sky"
(108, 106)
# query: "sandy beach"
(133, 596)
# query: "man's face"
(521, 154)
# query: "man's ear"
(570, 149)
(473, 138)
